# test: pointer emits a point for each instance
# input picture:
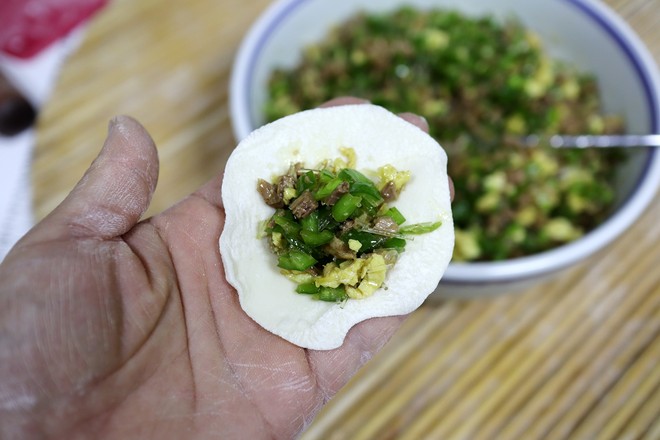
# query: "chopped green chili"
(328, 294)
(308, 288)
(345, 206)
(289, 225)
(311, 222)
(316, 238)
(295, 260)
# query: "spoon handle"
(598, 141)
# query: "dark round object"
(16, 115)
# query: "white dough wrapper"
(378, 138)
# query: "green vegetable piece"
(325, 176)
(311, 222)
(365, 188)
(298, 244)
(315, 239)
(368, 240)
(295, 260)
(396, 215)
(345, 206)
(398, 244)
(325, 218)
(337, 294)
(328, 188)
(352, 176)
(362, 186)
(420, 228)
(306, 182)
(369, 193)
(308, 288)
(288, 225)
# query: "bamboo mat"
(575, 357)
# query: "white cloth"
(35, 78)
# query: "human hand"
(111, 326)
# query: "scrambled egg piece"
(347, 273)
(361, 277)
(388, 173)
(373, 275)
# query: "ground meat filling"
(339, 249)
(304, 205)
(285, 182)
(389, 191)
(385, 225)
(270, 194)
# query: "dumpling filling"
(334, 231)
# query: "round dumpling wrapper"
(378, 138)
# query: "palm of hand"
(110, 326)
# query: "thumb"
(114, 192)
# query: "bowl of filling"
(484, 75)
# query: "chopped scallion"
(420, 228)
(396, 215)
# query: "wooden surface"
(576, 357)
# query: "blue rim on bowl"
(517, 269)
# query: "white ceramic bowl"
(585, 33)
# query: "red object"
(28, 26)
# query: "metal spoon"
(597, 141)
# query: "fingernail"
(118, 124)
(422, 120)
(344, 100)
(357, 100)
(115, 121)
(114, 129)
(417, 120)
